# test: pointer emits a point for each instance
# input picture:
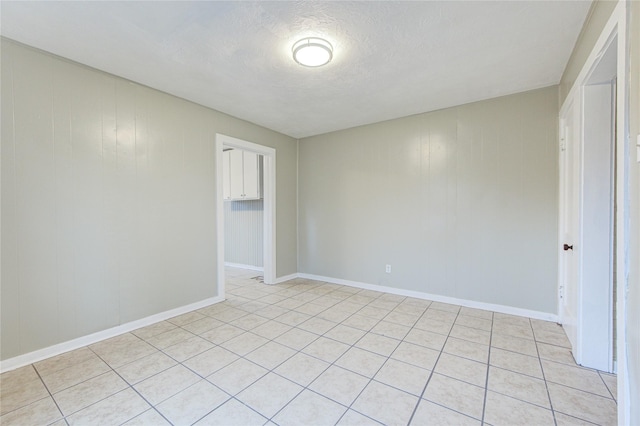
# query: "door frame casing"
(616, 26)
(269, 206)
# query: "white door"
(569, 223)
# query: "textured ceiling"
(391, 59)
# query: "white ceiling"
(391, 58)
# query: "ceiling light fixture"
(312, 52)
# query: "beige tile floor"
(311, 353)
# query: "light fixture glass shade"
(312, 52)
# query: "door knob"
(568, 247)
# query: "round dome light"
(312, 52)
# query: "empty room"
(320, 212)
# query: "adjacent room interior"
(320, 212)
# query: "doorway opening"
(588, 215)
(250, 198)
(243, 209)
(592, 303)
(598, 211)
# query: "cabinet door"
(251, 176)
(236, 190)
(226, 175)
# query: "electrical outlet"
(387, 269)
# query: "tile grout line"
(544, 376)
(334, 364)
(153, 407)
(272, 370)
(230, 396)
(181, 363)
(606, 386)
(48, 391)
(370, 379)
(402, 340)
(86, 380)
(353, 345)
(298, 351)
(486, 383)
(424, 389)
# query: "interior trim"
(503, 309)
(60, 348)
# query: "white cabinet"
(242, 175)
(251, 172)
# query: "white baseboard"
(286, 278)
(241, 266)
(40, 354)
(437, 298)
